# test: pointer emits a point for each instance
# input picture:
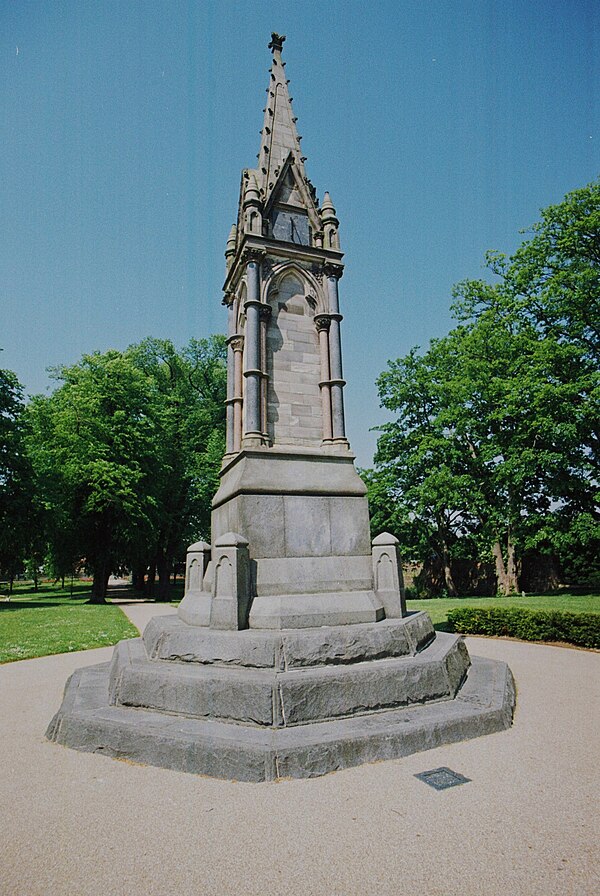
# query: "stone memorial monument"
(292, 653)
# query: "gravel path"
(77, 824)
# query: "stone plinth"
(260, 705)
(305, 517)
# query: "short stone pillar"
(388, 582)
(231, 583)
(196, 561)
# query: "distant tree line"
(116, 468)
(489, 470)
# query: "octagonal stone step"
(86, 722)
(169, 638)
(265, 697)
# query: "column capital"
(252, 254)
(228, 297)
(322, 322)
(265, 311)
(236, 342)
(254, 303)
(333, 270)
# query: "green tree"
(421, 468)
(95, 454)
(191, 389)
(15, 478)
(126, 454)
(549, 291)
(495, 441)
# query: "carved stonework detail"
(237, 343)
(267, 267)
(333, 270)
(317, 272)
(322, 322)
(264, 311)
(252, 254)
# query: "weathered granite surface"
(256, 705)
(246, 752)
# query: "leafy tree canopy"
(494, 446)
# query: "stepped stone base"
(261, 705)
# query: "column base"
(254, 440)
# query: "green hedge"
(582, 629)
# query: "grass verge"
(52, 621)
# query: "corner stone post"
(231, 583)
(196, 561)
(388, 581)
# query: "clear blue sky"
(440, 129)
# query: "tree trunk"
(150, 580)
(511, 566)
(100, 582)
(450, 586)
(35, 580)
(501, 574)
(164, 583)
(448, 580)
(138, 576)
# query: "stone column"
(333, 273)
(252, 364)
(237, 345)
(231, 328)
(265, 314)
(323, 323)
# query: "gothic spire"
(279, 136)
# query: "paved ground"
(77, 824)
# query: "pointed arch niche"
(294, 415)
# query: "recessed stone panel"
(307, 526)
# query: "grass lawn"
(52, 621)
(438, 607)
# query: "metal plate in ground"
(441, 778)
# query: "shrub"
(582, 629)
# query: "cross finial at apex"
(276, 41)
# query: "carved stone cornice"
(333, 270)
(228, 297)
(322, 322)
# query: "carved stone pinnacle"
(276, 41)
